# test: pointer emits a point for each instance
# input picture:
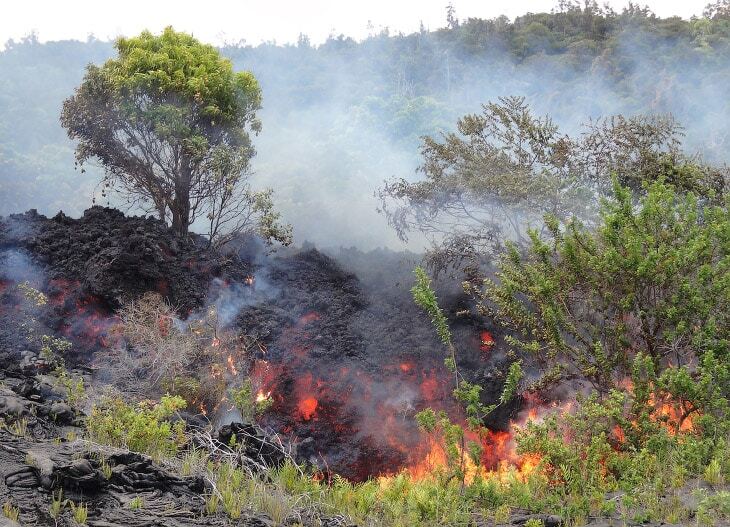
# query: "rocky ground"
(42, 451)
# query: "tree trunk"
(181, 202)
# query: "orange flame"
(231, 365)
(261, 396)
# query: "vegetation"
(453, 434)
(505, 168)
(382, 94)
(170, 120)
(651, 278)
(603, 255)
(10, 511)
(248, 402)
(142, 428)
(79, 512)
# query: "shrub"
(651, 277)
(142, 428)
(80, 512)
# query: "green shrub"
(142, 428)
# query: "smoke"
(341, 118)
(16, 266)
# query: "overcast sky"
(219, 21)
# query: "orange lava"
(486, 341)
(307, 407)
(309, 317)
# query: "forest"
(476, 275)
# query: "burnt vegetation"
(559, 357)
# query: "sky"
(256, 21)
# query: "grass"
(10, 511)
(18, 428)
(80, 512)
(589, 475)
(57, 504)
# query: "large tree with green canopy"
(171, 123)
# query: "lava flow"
(361, 424)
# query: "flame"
(261, 396)
(619, 434)
(231, 365)
(669, 413)
(499, 460)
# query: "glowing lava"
(307, 407)
(486, 341)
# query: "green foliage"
(425, 297)
(80, 512)
(452, 435)
(142, 428)
(38, 298)
(136, 503)
(189, 388)
(634, 441)
(19, 427)
(176, 63)
(53, 349)
(172, 93)
(75, 390)
(652, 277)
(247, 402)
(57, 504)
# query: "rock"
(13, 406)
(256, 447)
(7, 522)
(43, 465)
(259, 521)
(27, 388)
(62, 413)
(22, 478)
(547, 520)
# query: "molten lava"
(307, 407)
(486, 341)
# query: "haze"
(227, 21)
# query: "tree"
(170, 122)
(653, 278)
(505, 168)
